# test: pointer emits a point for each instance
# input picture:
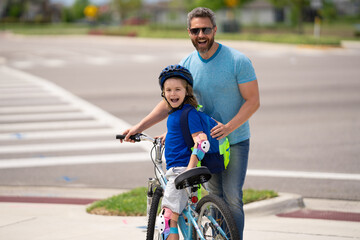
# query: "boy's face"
(174, 91)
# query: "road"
(305, 137)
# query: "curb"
(285, 202)
(350, 44)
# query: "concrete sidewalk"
(35, 221)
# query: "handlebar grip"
(120, 136)
(135, 137)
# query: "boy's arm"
(159, 113)
(197, 137)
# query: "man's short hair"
(201, 12)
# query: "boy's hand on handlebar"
(163, 137)
(128, 132)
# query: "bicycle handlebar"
(135, 137)
(138, 138)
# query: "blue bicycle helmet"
(175, 71)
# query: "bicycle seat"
(192, 177)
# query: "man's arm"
(159, 113)
(250, 92)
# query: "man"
(225, 84)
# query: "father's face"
(202, 34)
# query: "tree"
(328, 11)
(296, 8)
(231, 24)
(127, 7)
(215, 4)
(78, 7)
(19, 10)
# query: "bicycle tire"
(213, 206)
(150, 231)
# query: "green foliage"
(15, 10)
(296, 7)
(331, 34)
(127, 8)
(283, 38)
(78, 7)
(212, 4)
(328, 11)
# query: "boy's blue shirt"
(216, 85)
(177, 153)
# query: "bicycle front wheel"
(151, 233)
(215, 219)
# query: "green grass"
(331, 34)
(251, 195)
(133, 203)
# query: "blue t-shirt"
(216, 85)
(177, 154)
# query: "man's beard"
(203, 49)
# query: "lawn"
(331, 34)
(133, 203)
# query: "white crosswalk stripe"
(39, 119)
(37, 109)
(71, 146)
(70, 160)
(18, 127)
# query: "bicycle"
(209, 218)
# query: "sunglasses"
(196, 31)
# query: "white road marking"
(14, 84)
(88, 133)
(53, 63)
(44, 116)
(301, 174)
(68, 146)
(74, 160)
(25, 95)
(94, 111)
(101, 61)
(19, 127)
(142, 58)
(20, 89)
(101, 118)
(37, 109)
(23, 64)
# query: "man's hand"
(220, 131)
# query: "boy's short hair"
(201, 12)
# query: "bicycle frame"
(186, 229)
(189, 213)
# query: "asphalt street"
(305, 137)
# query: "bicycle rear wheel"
(151, 234)
(215, 219)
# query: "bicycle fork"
(149, 195)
